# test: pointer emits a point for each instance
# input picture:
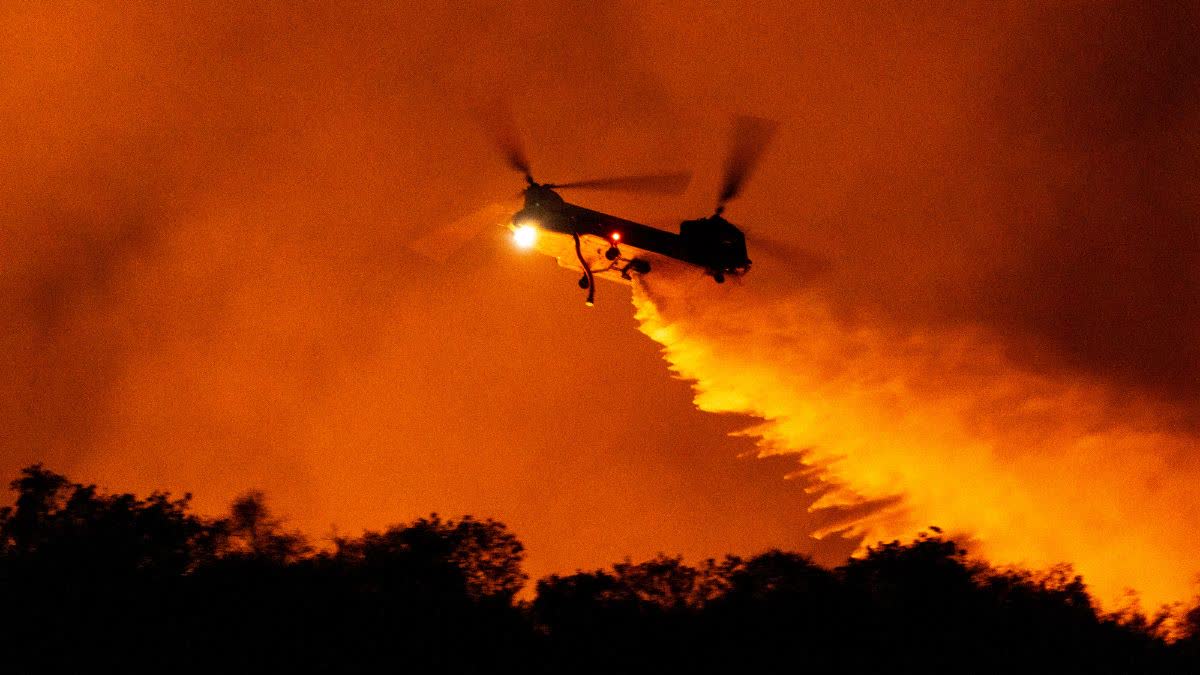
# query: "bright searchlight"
(525, 236)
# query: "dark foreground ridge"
(91, 581)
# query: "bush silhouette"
(105, 582)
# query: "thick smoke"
(205, 214)
(207, 285)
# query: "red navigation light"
(616, 236)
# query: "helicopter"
(600, 245)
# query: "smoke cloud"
(205, 219)
(207, 283)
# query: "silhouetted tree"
(468, 557)
(92, 581)
(772, 605)
(56, 527)
(78, 568)
(252, 531)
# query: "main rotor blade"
(658, 183)
(800, 263)
(749, 138)
(500, 125)
(440, 243)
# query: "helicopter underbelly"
(562, 248)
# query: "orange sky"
(206, 216)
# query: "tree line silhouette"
(105, 581)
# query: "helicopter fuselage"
(712, 244)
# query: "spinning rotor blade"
(659, 183)
(439, 243)
(501, 126)
(749, 138)
(802, 263)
